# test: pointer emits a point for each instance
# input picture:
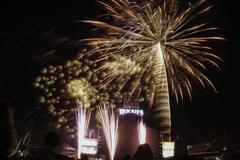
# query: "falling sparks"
(83, 116)
(141, 128)
(110, 128)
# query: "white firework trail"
(141, 128)
(110, 128)
(83, 116)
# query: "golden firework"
(159, 38)
(60, 88)
(82, 90)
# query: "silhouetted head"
(127, 157)
(85, 157)
(51, 139)
(144, 152)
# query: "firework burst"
(110, 128)
(160, 39)
(59, 87)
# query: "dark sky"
(207, 113)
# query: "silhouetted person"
(52, 141)
(85, 157)
(144, 152)
(127, 157)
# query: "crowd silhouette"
(8, 139)
(48, 153)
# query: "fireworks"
(141, 128)
(81, 89)
(110, 128)
(83, 116)
(159, 38)
(119, 66)
(150, 50)
(59, 87)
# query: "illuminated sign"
(168, 149)
(90, 146)
(124, 111)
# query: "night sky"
(23, 23)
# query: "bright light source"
(141, 128)
(90, 146)
(124, 111)
(168, 149)
(110, 128)
(90, 142)
(89, 150)
(83, 116)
